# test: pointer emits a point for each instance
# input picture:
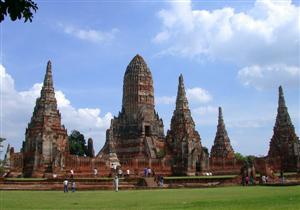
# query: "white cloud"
(262, 77)
(198, 95)
(17, 108)
(194, 95)
(203, 110)
(205, 115)
(91, 35)
(265, 35)
(255, 123)
(165, 100)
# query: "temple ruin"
(188, 155)
(284, 152)
(136, 139)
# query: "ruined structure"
(136, 139)
(222, 159)
(188, 155)
(90, 148)
(7, 158)
(46, 140)
(137, 133)
(222, 147)
(284, 152)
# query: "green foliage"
(77, 143)
(250, 160)
(17, 9)
(1, 161)
(160, 153)
(1, 167)
(239, 156)
(225, 198)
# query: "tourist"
(161, 181)
(282, 177)
(72, 173)
(120, 172)
(251, 180)
(149, 172)
(116, 183)
(145, 172)
(243, 180)
(114, 167)
(263, 179)
(73, 186)
(95, 172)
(66, 186)
(247, 180)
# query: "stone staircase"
(150, 147)
(150, 182)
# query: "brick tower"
(222, 147)
(46, 142)
(284, 145)
(137, 132)
(188, 156)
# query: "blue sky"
(232, 54)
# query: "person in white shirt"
(116, 183)
(263, 179)
(95, 172)
(120, 172)
(73, 186)
(72, 173)
(66, 186)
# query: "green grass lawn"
(244, 198)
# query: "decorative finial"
(220, 116)
(49, 65)
(180, 79)
(181, 101)
(48, 82)
(281, 100)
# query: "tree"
(1, 144)
(17, 9)
(1, 161)
(77, 143)
(239, 156)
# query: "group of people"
(248, 180)
(117, 174)
(264, 179)
(148, 172)
(66, 186)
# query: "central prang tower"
(138, 93)
(138, 131)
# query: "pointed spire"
(222, 146)
(284, 138)
(283, 116)
(48, 81)
(281, 100)
(181, 101)
(220, 120)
